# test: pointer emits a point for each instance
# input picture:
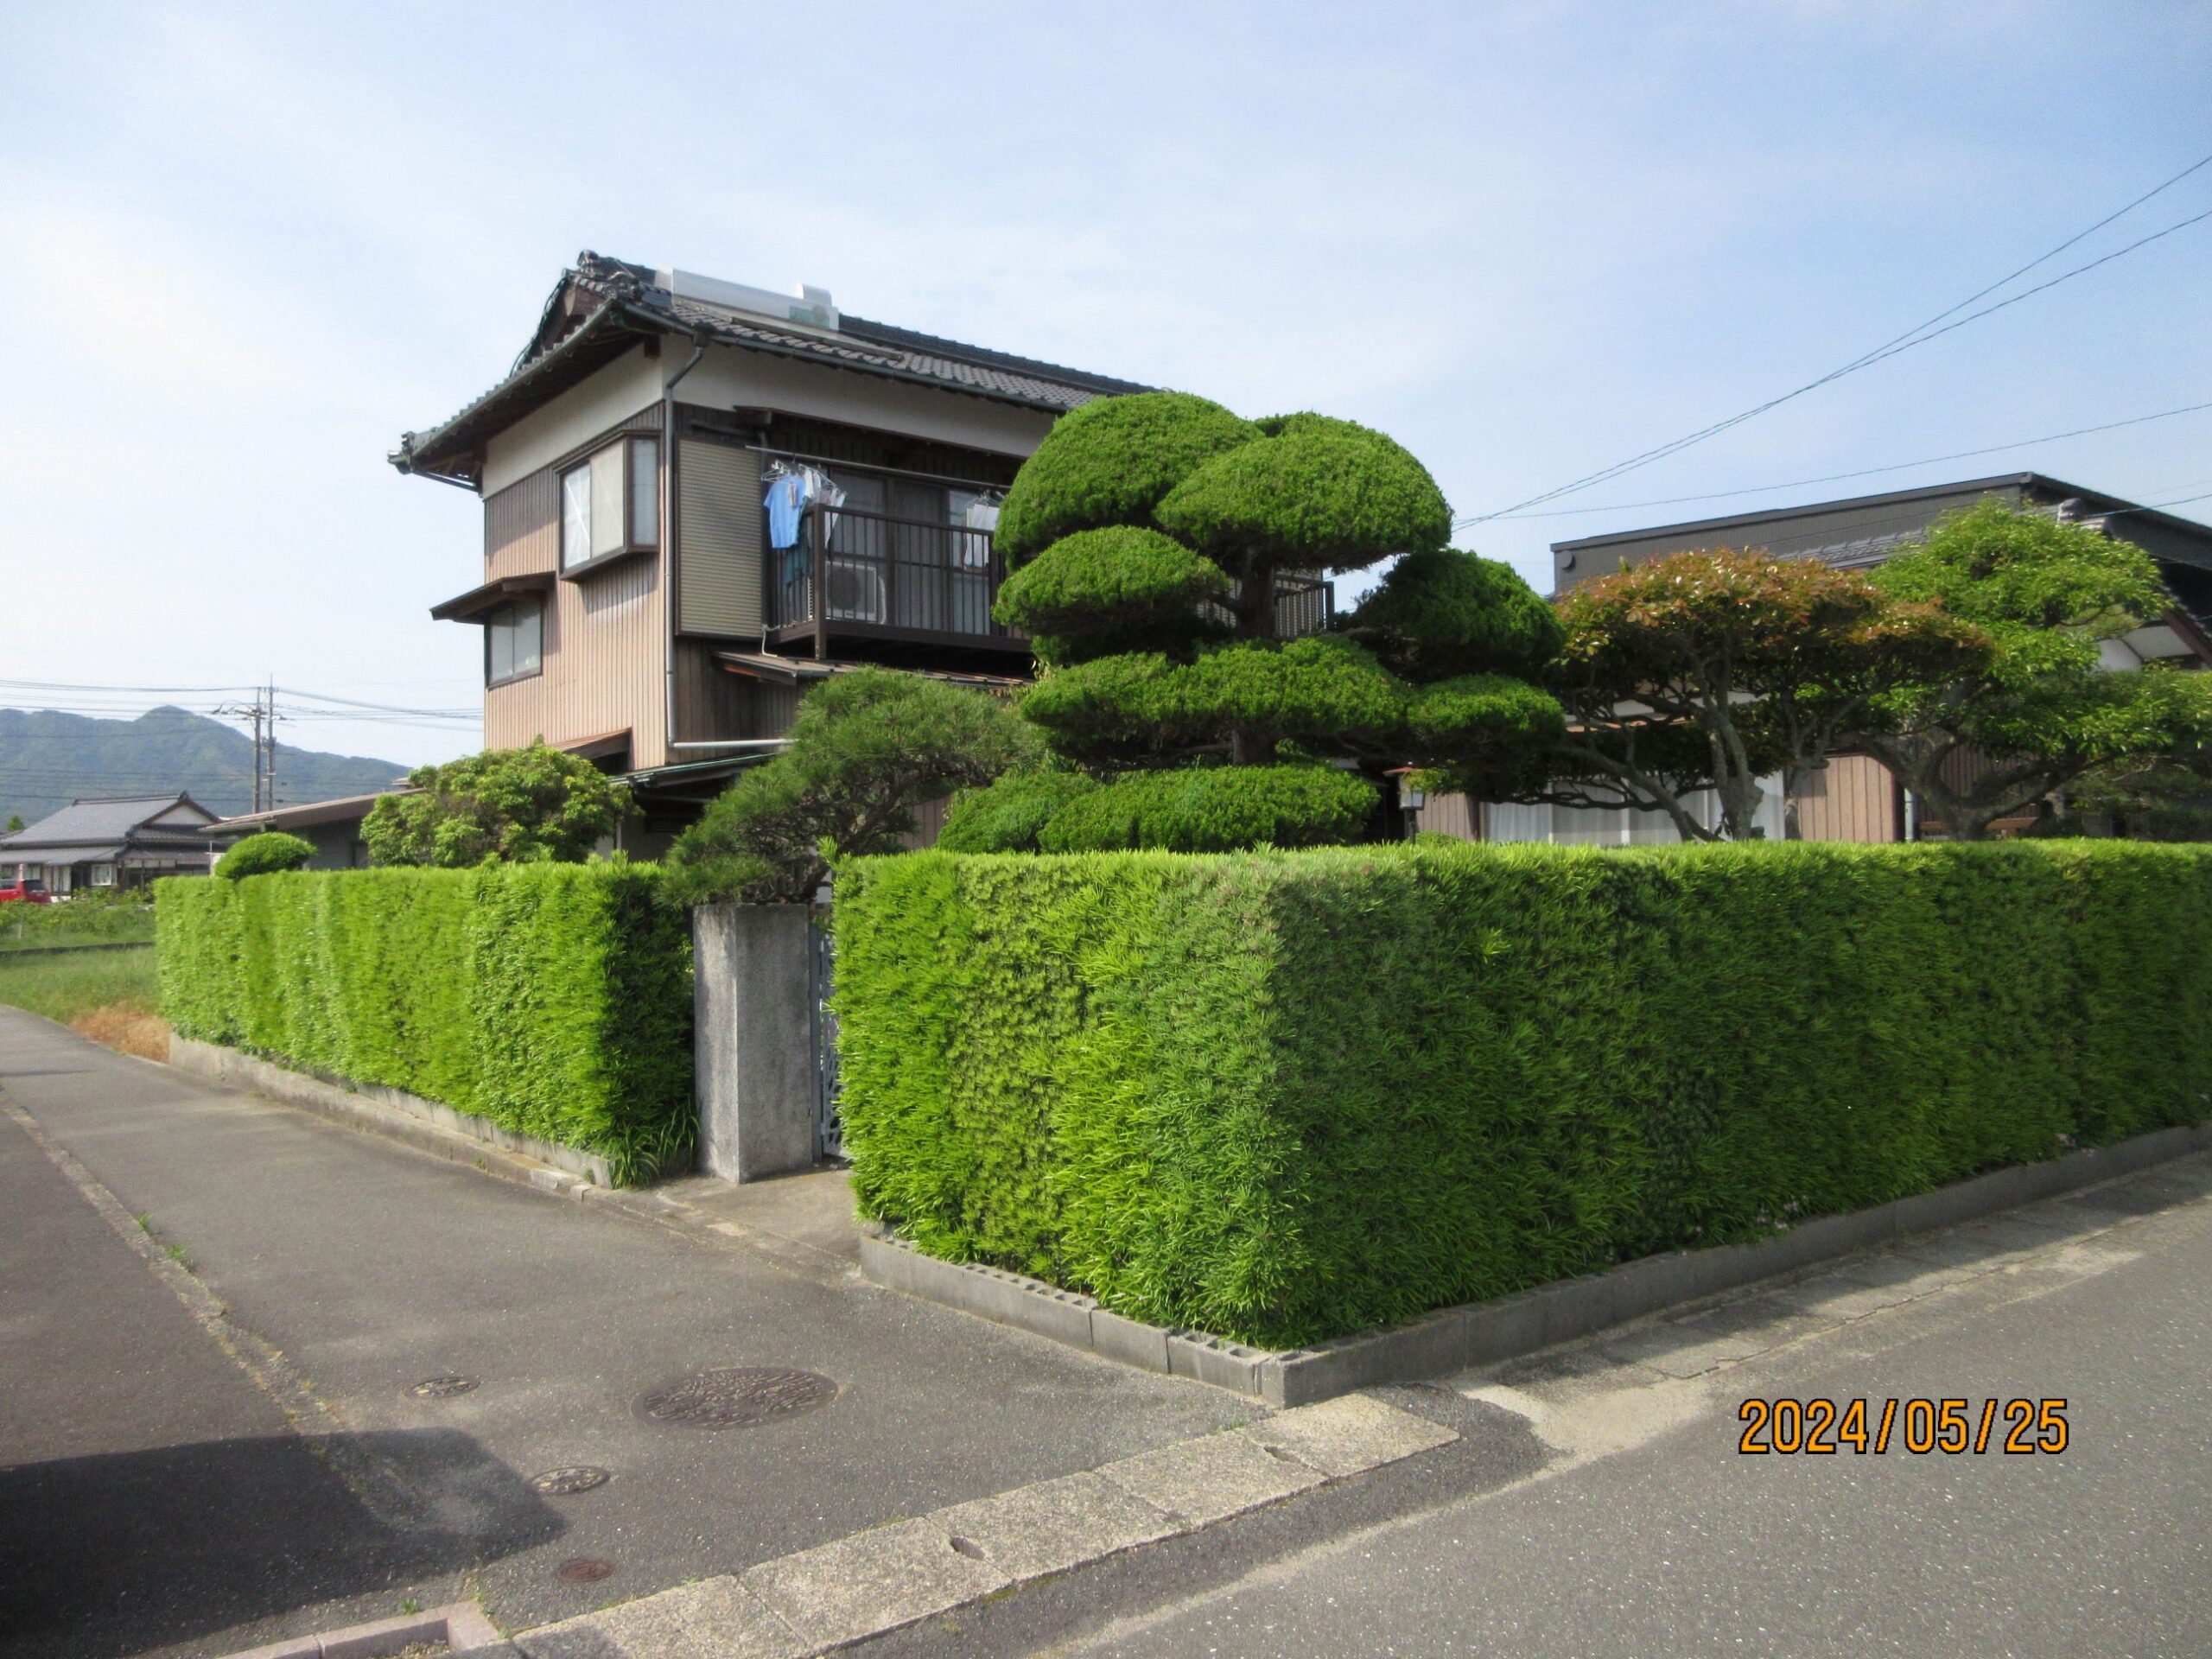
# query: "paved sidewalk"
(370, 1268)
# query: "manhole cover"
(585, 1569)
(577, 1478)
(736, 1397)
(442, 1388)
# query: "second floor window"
(610, 503)
(514, 641)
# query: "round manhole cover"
(736, 1397)
(562, 1483)
(442, 1388)
(585, 1569)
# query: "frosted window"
(606, 501)
(644, 492)
(575, 515)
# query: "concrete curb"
(1481, 1333)
(829, 1596)
(392, 1113)
(461, 1627)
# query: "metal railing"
(888, 573)
(904, 574)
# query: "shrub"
(1109, 462)
(867, 748)
(508, 806)
(263, 854)
(1286, 1097)
(1213, 810)
(1007, 817)
(553, 999)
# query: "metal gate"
(828, 1128)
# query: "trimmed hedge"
(554, 1000)
(1283, 1097)
(1213, 810)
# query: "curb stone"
(461, 1628)
(1453, 1339)
(896, 1575)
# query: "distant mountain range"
(48, 760)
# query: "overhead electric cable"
(1919, 334)
(1863, 472)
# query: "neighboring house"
(1855, 797)
(122, 842)
(334, 827)
(636, 606)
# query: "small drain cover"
(585, 1569)
(442, 1388)
(736, 1397)
(562, 1482)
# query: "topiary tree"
(1146, 540)
(867, 748)
(507, 806)
(260, 855)
(2039, 710)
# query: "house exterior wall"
(605, 647)
(634, 382)
(1853, 798)
(728, 378)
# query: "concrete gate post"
(752, 997)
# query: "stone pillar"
(753, 995)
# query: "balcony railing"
(865, 572)
(865, 569)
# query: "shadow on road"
(106, 1556)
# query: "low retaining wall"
(339, 1097)
(1482, 1333)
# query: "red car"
(28, 890)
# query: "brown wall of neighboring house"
(1853, 798)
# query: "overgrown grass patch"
(1285, 1097)
(109, 995)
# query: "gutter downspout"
(669, 533)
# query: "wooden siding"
(1450, 814)
(605, 637)
(929, 821)
(720, 580)
(1852, 798)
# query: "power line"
(1863, 472)
(1918, 335)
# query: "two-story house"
(641, 603)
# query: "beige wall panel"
(727, 378)
(621, 389)
(522, 527)
(1850, 799)
(603, 653)
(719, 552)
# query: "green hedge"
(554, 1000)
(1283, 1097)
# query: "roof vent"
(806, 305)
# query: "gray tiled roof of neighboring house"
(101, 823)
(602, 306)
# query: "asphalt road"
(155, 1500)
(1648, 1533)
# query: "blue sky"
(242, 249)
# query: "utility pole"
(262, 713)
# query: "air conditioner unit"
(857, 593)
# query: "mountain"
(48, 760)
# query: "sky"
(243, 249)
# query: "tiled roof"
(99, 822)
(602, 306)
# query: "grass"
(79, 921)
(107, 996)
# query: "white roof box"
(806, 304)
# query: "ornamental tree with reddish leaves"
(1712, 669)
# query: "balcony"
(867, 579)
(866, 575)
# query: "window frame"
(630, 448)
(534, 602)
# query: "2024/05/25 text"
(1818, 1427)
